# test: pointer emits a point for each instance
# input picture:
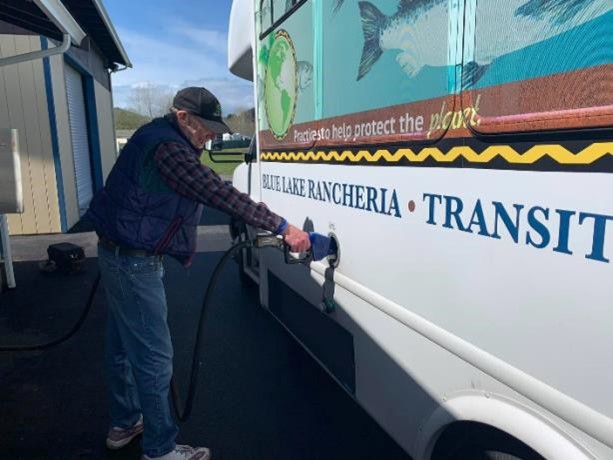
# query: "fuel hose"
(183, 411)
(321, 245)
(72, 331)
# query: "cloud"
(165, 61)
(233, 93)
(205, 40)
(180, 55)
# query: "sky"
(175, 44)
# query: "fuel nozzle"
(268, 240)
(322, 246)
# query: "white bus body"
(475, 282)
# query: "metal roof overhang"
(111, 29)
(94, 19)
(45, 17)
(55, 19)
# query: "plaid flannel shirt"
(184, 173)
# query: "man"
(151, 205)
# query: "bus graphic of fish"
(305, 76)
(501, 26)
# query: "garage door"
(80, 140)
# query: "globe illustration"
(281, 85)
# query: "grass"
(223, 169)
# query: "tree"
(242, 122)
(151, 100)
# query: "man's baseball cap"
(202, 103)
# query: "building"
(61, 105)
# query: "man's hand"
(297, 240)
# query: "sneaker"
(121, 437)
(184, 453)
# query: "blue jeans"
(138, 348)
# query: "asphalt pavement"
(260, 395)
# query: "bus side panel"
(504, 242)
(517, 302)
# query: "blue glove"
(321, 245)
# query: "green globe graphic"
(281, 85)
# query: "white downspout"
(37, 54)
(63, 20)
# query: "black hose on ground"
(182, 411)
(65, 337)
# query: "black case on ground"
(67, 257)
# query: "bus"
(461, 154)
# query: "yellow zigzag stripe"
(558, 153)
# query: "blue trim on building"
(92, 121)
(54, 138)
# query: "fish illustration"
(560, 11)
(502, 27)
(305, 75)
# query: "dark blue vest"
(136, 208)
